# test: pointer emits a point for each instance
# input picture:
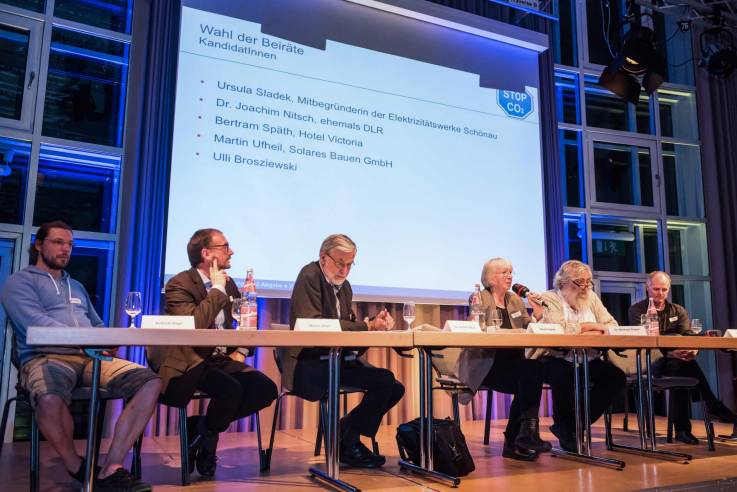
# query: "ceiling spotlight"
(718, 54)
(637, 64)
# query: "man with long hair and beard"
(572, 304)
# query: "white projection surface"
(279, 144)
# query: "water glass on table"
(238, 310)
(713, 333)
(494, 321)
(696, 326)
(133, 306)
(409, 313)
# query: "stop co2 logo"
(515, 104)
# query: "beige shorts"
(60, 374)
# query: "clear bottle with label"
(249, 313)
(651, 319)
(476, 307)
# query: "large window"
(63, 90)
(631, 173)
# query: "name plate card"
(545, 329)
(317, 324)
(459, 326)
(637, 331)
(167, 322)
(730, 334)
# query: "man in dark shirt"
(323, 291)
(674, 320)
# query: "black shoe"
(206, 456)
(358, 456)
(79, 474)
(686, 437)
(516, 453)
(528, 437)
(378, 458)
(121, 481)
(194, 441)
(566, 439)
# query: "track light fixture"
(637, 64)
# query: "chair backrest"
(628, 361)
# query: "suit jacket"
(471, 365)
(186, 295)
(314, 297)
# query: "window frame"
(32, 74)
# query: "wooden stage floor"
(238, 466)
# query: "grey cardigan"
(471, 365)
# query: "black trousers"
(512, 373)
(234, 391)
(606, 383)
(680, 399)
(382, 391)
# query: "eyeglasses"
(225, 245)
(61, 242)
(340, 264)
(508, 273)
(583, 283)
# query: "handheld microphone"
(522, 291)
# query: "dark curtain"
(717, 115)
(147, 155)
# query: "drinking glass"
(408, 313)
(133, 306)
(643, 320)
(571, 328)
(494, 322)
(713, 333)
(237, 308)
(696, 326)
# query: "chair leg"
(456, 409)
(4, 422)
(183, 446)
(374, 445)
(102, 407)
(261, 452)
(707, 422)
(267, 458)
(626, 421)
(608, 428)
(669, 406)
(35, 477)
(320, 428)
(487, 419)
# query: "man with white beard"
(572, 304)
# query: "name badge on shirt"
(75, 300)
(673, 318)
(515, 315)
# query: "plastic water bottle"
(476, 306)
(249, 316)
(653, 322)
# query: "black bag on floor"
(450, 453)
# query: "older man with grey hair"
(572, 303)
(322, 290)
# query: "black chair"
(79, 394)
(663, 384)
(184, 445)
